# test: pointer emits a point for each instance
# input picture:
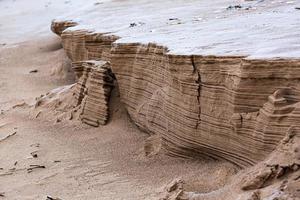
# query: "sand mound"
(58, 103)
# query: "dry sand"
(80, 162)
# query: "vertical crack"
(198, 82)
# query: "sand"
(43, 155)
(80, 162)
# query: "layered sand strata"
(234, 105)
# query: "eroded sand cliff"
(213, 82)
(233, 108)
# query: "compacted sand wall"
(230, 108)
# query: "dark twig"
(32, 167)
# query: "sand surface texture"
(267, 28)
